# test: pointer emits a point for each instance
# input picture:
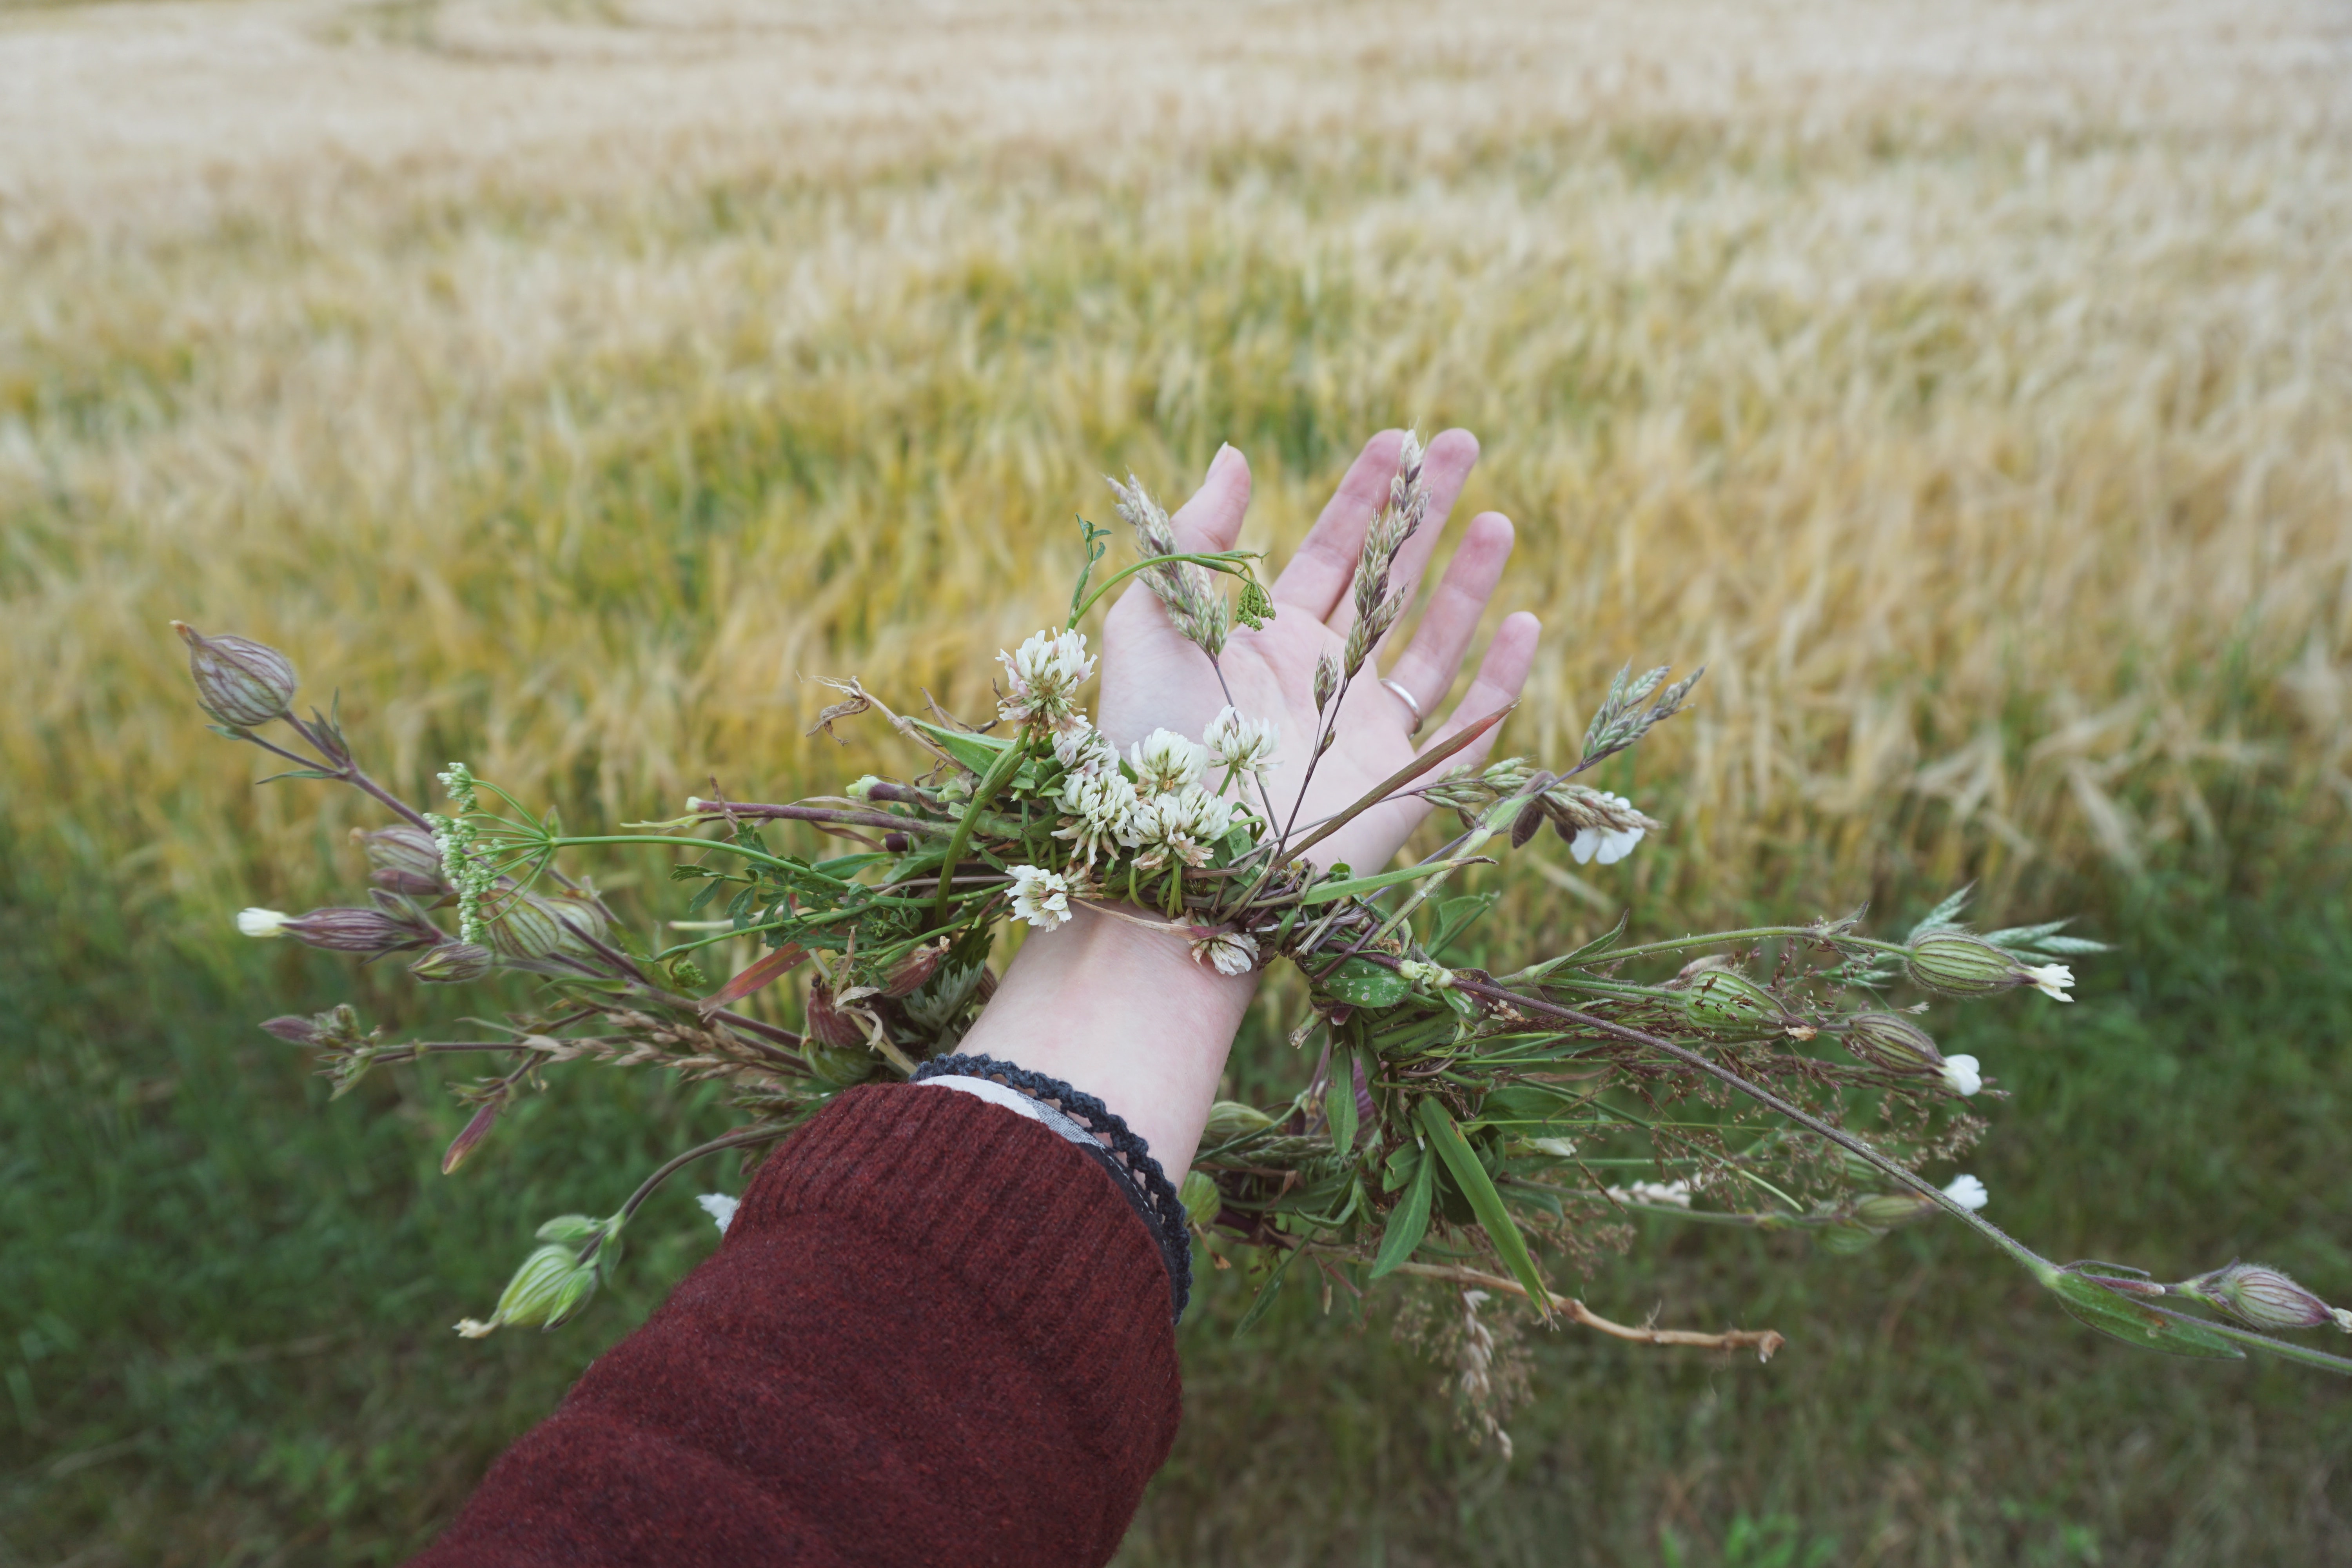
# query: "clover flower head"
(1040, 897)
(1962, 1072)
(1101, 809)
(1240, 745)
(1182, 823)
(1606, 844)
(1227, 952)
(1044, 675)
(1166, 763)
(721, 1208)
(1968, 1192)
(1082, 751)
(2050, 980)
(262, 922)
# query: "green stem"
(1224, 561)
(761, 857)
(1007, 763)
(1713, 938)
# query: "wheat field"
(569, 386)
(1971, 389)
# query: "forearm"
(1125, 1015)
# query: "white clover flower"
(2050, 980)
(1228, 952)
(1185, 824)
(1101, 808)
(721, 1208)
(1607, 845)
(1675, 1194)
(1168, 763)
(262, 922)
(1240, 745)
(1082, 751)
(1966, 1191)
(1040, 897)
(1961, 1073)
(1044, 676)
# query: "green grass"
(224, 1301)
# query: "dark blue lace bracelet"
(1126, 1157)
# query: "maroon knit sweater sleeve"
(935, 1333)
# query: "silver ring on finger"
(1402, 695)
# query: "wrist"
(1125, 1013)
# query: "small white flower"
(474, 1329)
(1166, 763)
(1229, 952)
(261, 922)
(1607, 845)
(1102, 808)
(1675, 1194)
(1240, 745)
(1558, 1148)
(1962, 1072)
(1082, 751)
(1044, 675)
(2050, 980)
(1040, 897)
(721, 1208)
(1966, 1191)
(1184, 824)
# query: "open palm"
(1153, 678)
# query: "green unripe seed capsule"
(1894, 1043)
(1954, 963)
(1728, 1001)
(240, 683)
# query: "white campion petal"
(721, 1208)
(1962, 1072)
(1966, 1191)
(1586, 843)
(261, 922)
(2050, 980)
(1040, 897)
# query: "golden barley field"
(569, 386)
(1969, 388)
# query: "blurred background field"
(1969, 387)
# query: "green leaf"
(1361, 983)
(1408, 1222)
(974, 751)
(1266, 1294)
(1485, 1201)
(1458, 915)
(1356, 887)
(1339, 1104)
(2120, 1318)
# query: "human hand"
(1154, 677)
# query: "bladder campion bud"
(829, 1025)
(1954, 963)
(1230, 1118)
(1724, 999)
(1202, 1200)
(1897, 1044)
(2261, 1297)
(352, 930)
(405, 860)
(550, 1286)
(523, 926)
(454, 963)
(240, 683)
(1885, 1211)
(918, 966)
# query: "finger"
(1444, 469)
(1211, 520)
(1501, 676)
(1426, 667)
(1317, 575)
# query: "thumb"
(1211, 520)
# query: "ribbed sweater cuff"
(1022, 1221)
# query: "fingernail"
(1218, 462)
